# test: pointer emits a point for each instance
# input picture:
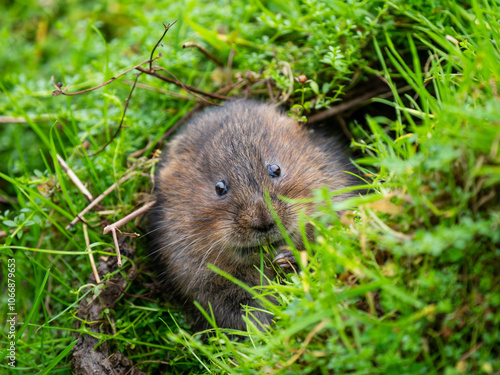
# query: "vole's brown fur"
(193, 225)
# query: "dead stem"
(185, 87)
(22, 120)
(11, 231)
(98, 199)
(206, 52)
(60, 91)
(127, 101)
(306, 342)
(230, 66)
(158, 90)
(113, 228)
(287, 69)
(73, 177)
(91, 257)
(167, 27)
(8, 200)
(342, 107)
(117, 246)
(129, 217)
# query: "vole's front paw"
(286, 262)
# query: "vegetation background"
(408, 284)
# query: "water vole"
(211, 208)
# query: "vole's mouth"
(270, 249)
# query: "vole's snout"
(261, 219)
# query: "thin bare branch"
(289, 70)
(126, 234)
(230, 66)
(306, 342)
(335, 110)
(343, 124)
(180, 84)
(206, 52)
(185, 87)
(139, 153)
(74, 178)
(342, 107)
(167, 27)
(60, 91)
(121, 121)
(91, 257)
(270, 91)
(9, 200)
(5, 234)
(129, 217)
(157, 89)
(98, 199)
(22, 120)
(117, 246)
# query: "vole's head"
(217, 172)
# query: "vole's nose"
(262, 220)
(263, 228)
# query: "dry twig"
(180, 84)
(98, 199)
(8, 200)
(230, 66)
(122, 119)
(206, 52)
(129, 217)
(91, 257)
(113, 228)
(22, 120)
(167, 27)
(288, 68)
(74, 178)
(60, 91)
(158, 90)
(184, 86)
(342, 107)
(117, 246)
(7, 233)
(306, 342)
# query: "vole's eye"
(221, 188)
(274, 170)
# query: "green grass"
(408, 284)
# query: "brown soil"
(88, 358)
